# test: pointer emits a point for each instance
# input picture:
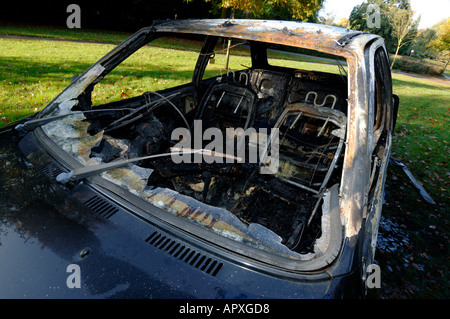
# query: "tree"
(358, 21)
(269, 9)
(397, 24)
(343, 23)
(404, 26)
(422, 43)
(442, 43)
(327, 19)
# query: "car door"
(381, 125)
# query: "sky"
(431, 11)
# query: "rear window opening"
(292, 120)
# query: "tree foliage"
(398, 25)
(442, 43)
(305, 10)
(343, 23)
(422, 43)
(404, 25)
(358, 21)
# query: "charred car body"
(98, 185)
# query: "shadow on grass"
(417, 83)
(22, 70)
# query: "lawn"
(33, 72)
(419, 266)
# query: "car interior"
(305, 108)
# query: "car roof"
(324, 38)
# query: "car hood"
(44, 232)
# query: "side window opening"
(229, 55)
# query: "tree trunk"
(227, 58)
(445, 67)
(395, 56)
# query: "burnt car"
(257, 179)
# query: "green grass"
(422, 135)
(421, 141)
(32, 73)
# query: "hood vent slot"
(185, 253)
(50, 170)
(101, 206)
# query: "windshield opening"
(250, 152)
